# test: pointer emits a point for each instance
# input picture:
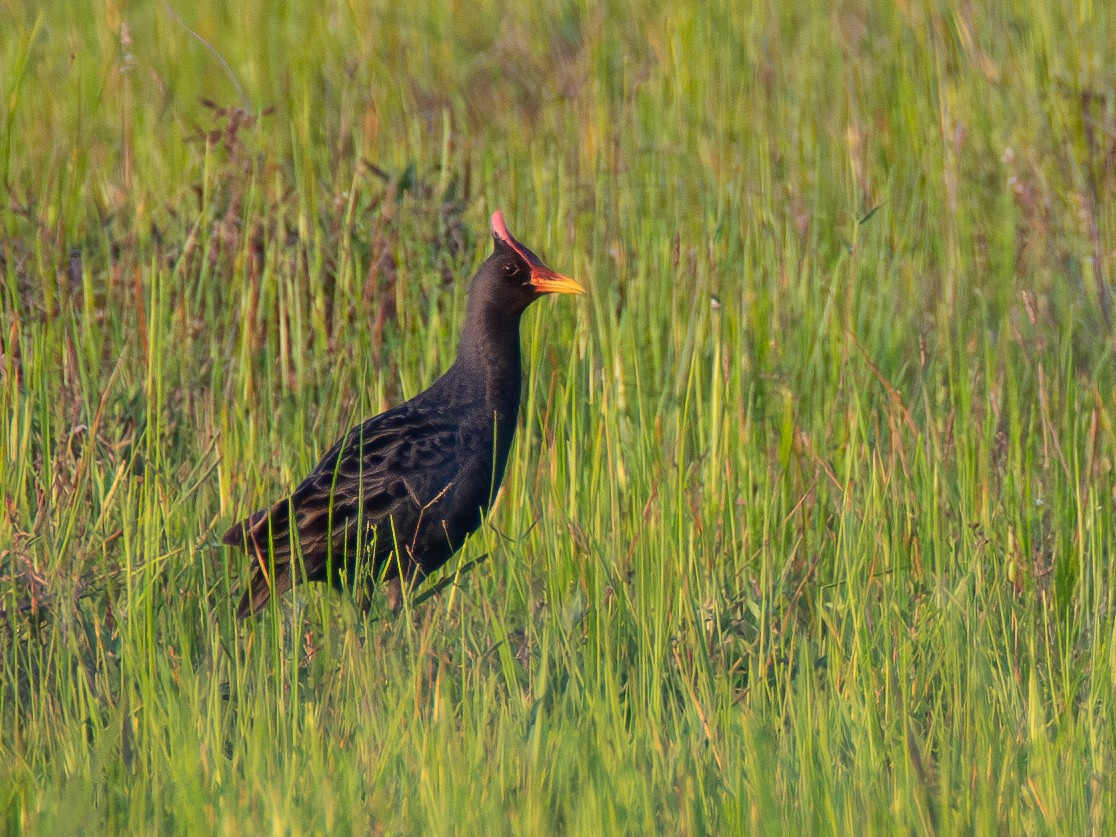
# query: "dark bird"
(399, 493)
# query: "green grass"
(808, 527)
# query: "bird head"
(521, 274)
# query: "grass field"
(808, 527)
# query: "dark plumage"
(399, 493)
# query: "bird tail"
(240, 533)
(255, 597)
(265, 580)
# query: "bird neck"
(489, 353)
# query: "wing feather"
(388, 467)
